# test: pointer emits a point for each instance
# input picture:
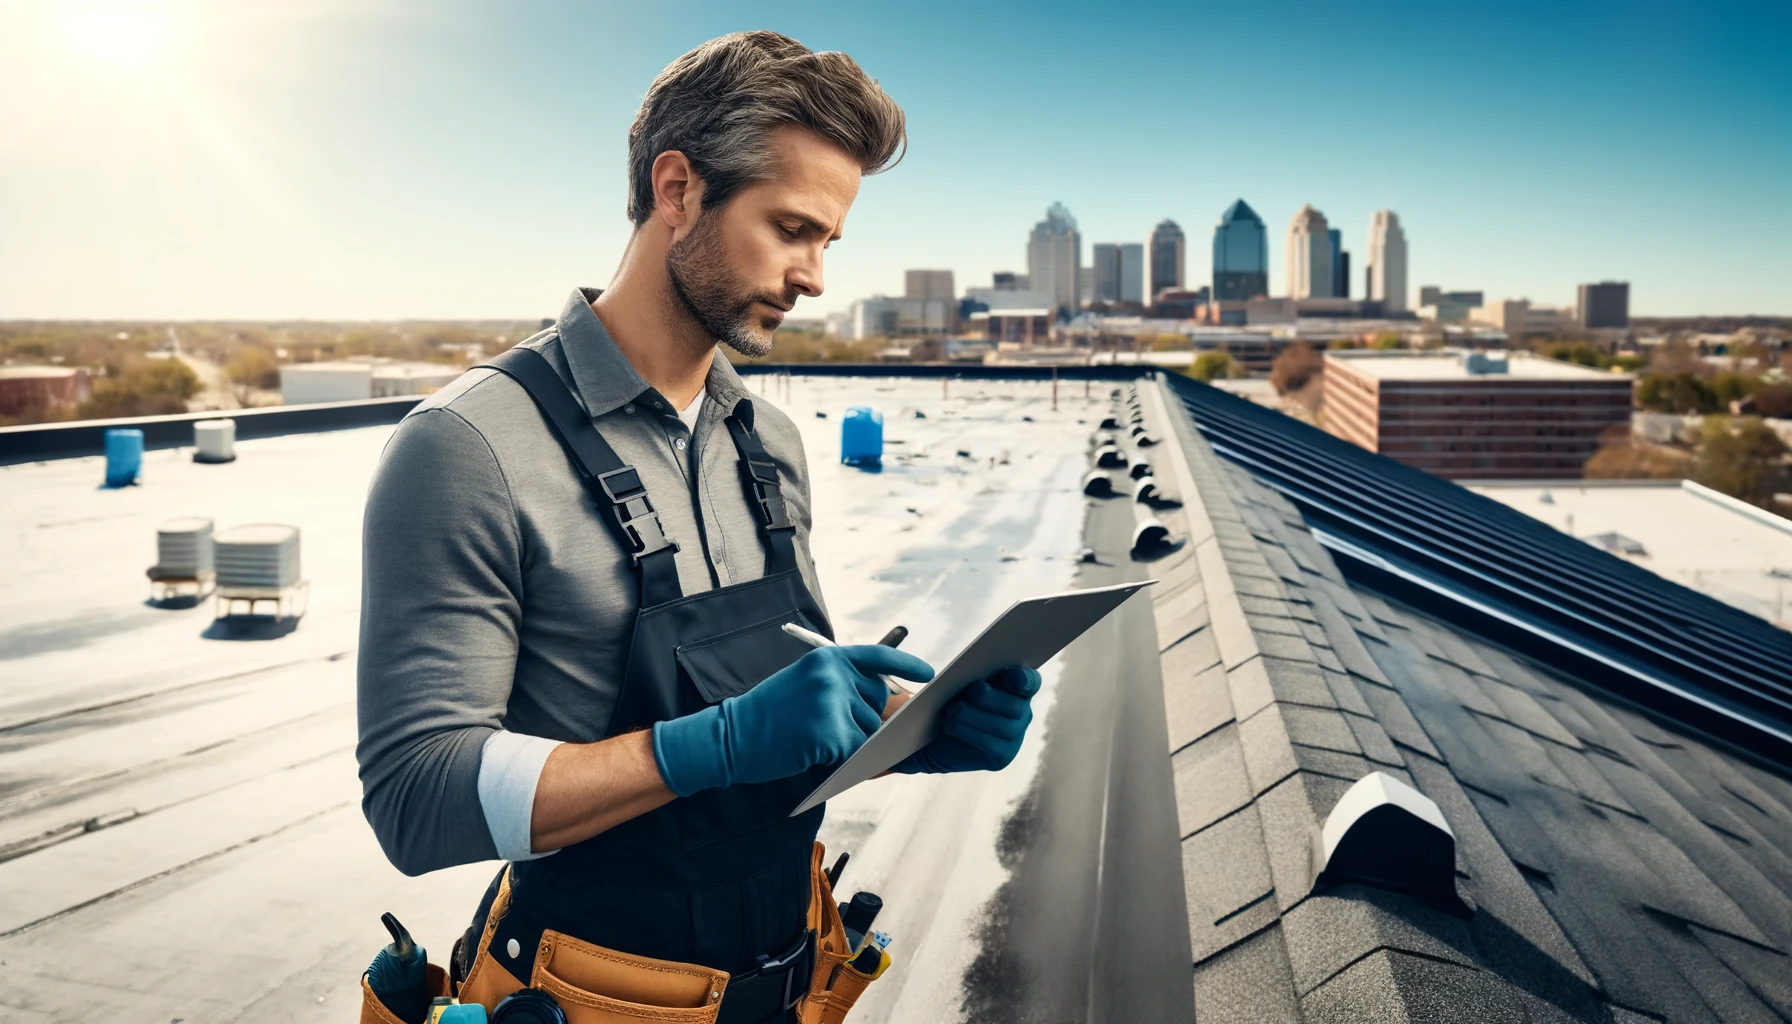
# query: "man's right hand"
(817, 711)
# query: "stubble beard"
(701, 279)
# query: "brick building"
(31, 391)
(1474, 415)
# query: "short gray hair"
(720, 104)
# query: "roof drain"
(1386, 834)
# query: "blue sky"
(389, 158)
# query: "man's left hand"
(981, 728)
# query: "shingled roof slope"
(1616, 867)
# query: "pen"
(814, 639)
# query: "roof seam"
(1321, 983)
(1197, 739)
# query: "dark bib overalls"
(720, 878)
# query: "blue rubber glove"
(817, 711)
(981, 728)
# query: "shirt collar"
(606, 379)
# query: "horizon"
(392, 161)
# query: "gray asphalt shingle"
(1617, 867)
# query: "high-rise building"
(1054, 253)
(1118, 274)
(1169, 257)
(929, 284)
(1309, 255)
(1240, 254)
(934, 286)
(1104, 259)
(1606, 304)
(1132, 272)
(1387, 262)
(1340, 266)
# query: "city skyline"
(191, 159)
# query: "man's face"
(740, 268)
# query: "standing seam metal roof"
(1618, 867)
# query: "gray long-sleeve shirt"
(493, 597)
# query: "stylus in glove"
(817, 711)
(980, 729)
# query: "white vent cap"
(1379, 789)
(1386, 834)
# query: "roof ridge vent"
(1384, 833)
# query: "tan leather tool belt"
(595, 985)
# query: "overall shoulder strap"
(760, 476)
(615, 485)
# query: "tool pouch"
(836, 985)
(374, 1012)
(595, 985)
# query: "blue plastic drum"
(862, 436)
(124, 457)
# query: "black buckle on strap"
(628, 501)
(798, 967)
(769, 494)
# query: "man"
(577, 564)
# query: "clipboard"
(1030, 633)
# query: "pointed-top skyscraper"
(1309, 255)
(1240, 254)
(1387, 262)
(1054, 256)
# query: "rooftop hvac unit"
(184, 546)
(184, 564)
(258, 567)
(215, 440)
(1479, 363)
(262, 555)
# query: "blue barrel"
(862, 436)
(124, 457)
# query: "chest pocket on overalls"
(724, 666)
(729, 665)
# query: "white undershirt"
(690, 412)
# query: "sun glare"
(121, 34)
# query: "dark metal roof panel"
(1713, 664)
